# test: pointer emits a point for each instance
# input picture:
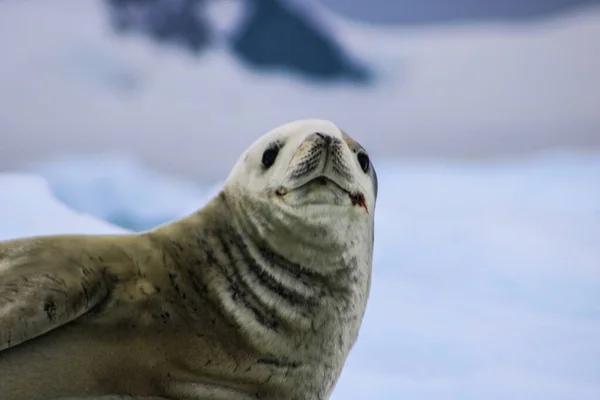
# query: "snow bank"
(119, 189)
(486, 284)
(28, 208)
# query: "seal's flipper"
(40, 291)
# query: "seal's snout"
(328, 139)
(318, 153)
(324, 168)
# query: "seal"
(260, 294)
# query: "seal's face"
(309, 166)
(308, 191)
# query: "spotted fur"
(258, 295)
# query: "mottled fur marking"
(258, 295)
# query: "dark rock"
(279, 37)
(275, 36)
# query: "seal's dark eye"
(269, 156)
(363, 160)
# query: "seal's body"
(258, 295)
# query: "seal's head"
(308, 165)
(306, 173)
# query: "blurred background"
(482, 118)
(186, 85)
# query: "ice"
(486, 279)
(28, 208)
(119, 189)
(486, 284)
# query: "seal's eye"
(269, 156)
(363, 160)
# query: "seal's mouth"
(356, 198)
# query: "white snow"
(28, 208)
(226, 17)
(486, 284)
(76, 87)
(118, 189)
(486, 280)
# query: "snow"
(486, 280)
(486, 284)
(440, 91)
(28, 208)
(112, 187)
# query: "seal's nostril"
(323, 136)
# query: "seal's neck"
(312, 243)
(258, 274)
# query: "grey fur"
(258, 295)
